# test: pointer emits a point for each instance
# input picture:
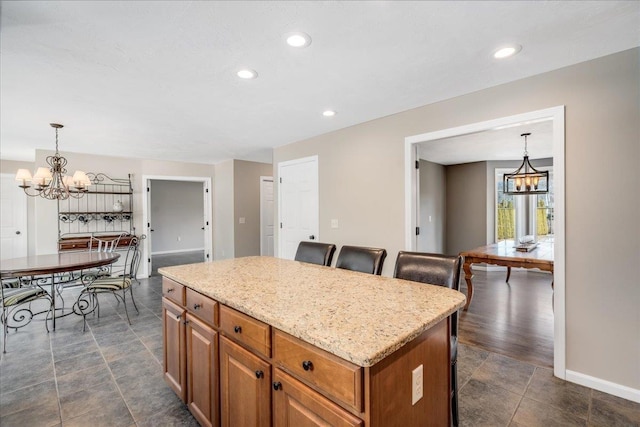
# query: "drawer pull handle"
(277, 386)
(178, 316)
(307, 365)
(185, 322)
(196, 306)
(169, 290)
(259, 374)
(237, 329)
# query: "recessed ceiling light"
(329, 113)
(507, 51)
(247, 73)
(298, 39)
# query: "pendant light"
(526, 179)
(51, 182)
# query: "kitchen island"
(264, 341)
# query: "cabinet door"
(202, 376)
(245, 387)
(296, 405)
(174, 351)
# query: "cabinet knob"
(259, 374)
(307, 365)
(169, 290)
(185, 322)
(277, 385)
(237, 329)
(196, 306)
(178, 316)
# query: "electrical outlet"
(179, 238)
(417, 384)
(334, 223)
(241, 220)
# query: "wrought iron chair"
(441, 270)
(16, 297)
(117, 284)
(315, 253)
(99, 243)
(364, 260)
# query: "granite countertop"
(359, 317)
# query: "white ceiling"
(506, 143)
(157, 79)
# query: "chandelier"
(526, 179)
(51, 182)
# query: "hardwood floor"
(514, 319)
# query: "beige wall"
(362, 184)
(223, 224)
(246, 178)
(432, 204)
(466, 226)
(237, 195)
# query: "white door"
(13, 218)
(298, 198)
(267, 212)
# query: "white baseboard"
(486, 267)
(179, 251)
(604, 386)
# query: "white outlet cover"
(334, 223)
(417, 384)
(241, 220)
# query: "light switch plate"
(241, 220)
(334, 223)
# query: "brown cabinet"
(174, 349)
(335, 377)
(173, 290)
(233, 370)
(202, 375)
(294, 404)
(245, 387)
(249, 331)
(201, 306)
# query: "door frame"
(207, 214)
(557, 114)
(277, 181)
(265, 179)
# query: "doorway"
(177, 221)
(556, 116)
(298, 204)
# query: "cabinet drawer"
(294, 401)
(173, 290)
(245, 329)
(202, 306)
(330, 374)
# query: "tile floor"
(111, 375)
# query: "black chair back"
(315, 253)
(364, 260)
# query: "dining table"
(506, 254)
(54, 269)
